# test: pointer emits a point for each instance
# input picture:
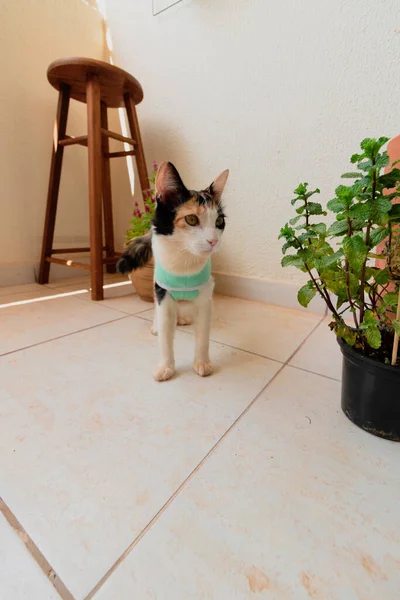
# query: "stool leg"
(135, 134)
(95, 163)
(107, 195)
(60, 127)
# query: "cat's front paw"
(153, 330)
(163, 372)
(202, 368)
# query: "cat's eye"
(220, 222)
(192, 220)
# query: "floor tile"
(20, 577)
(84, 279)
(295, 503)
(91, 447)
(19, 289)
(19, 298)
(32, 320)
(119, 294)
(264, 329)
(320, 353)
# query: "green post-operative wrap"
(182, 287)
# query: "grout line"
(69, 282)
(184, 330)
(141, 312)
(304, 341)
(163, 508)
(299, 347)
(176, 493)
(115, 309)
(59, 337)
(101, 302)
(34, 551)
(315, 373)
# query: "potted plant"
(140, 224)
(362, 298)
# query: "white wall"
(33, 34)
(279, 92)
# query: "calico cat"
(187, 229)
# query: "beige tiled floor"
(321, 351)
(20, 576)
(247, 484)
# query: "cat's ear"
(217, 186)
(170, 188)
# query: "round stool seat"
(114, 82)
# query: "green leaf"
(351, 175)
(382, 160)
(301, 189)
(335, 282)
(365, 166)
(306, 294)
(391, 179)
(307, 255)
(371, 146)
(307, 235)
(382, 204)
(355, 250)
(396, 326)
(390, 299)
(355, 158)
(294, 220)
(344, 332)
(336, 205)
(374, 337)
(360, 211)
(292, 260)
(331, 259)
(369, 319)
(286, 232)
(394, 214)
(359, 187)
(314, 208)
(346, 193)
(309, 194)
(319, 228)
(338, 228)
(290, 244)
(381, 276)
(378, 235)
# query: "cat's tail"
(137, 255)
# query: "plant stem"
(323, 293)
(346, 269)
(307, 216)
(367, 241)
(389, 255)
(396, 337)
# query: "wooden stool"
(101, 86)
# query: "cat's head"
(196, 219)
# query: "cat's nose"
(212, 243)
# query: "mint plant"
(140, 223)
(339, 259)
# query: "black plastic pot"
(371, 394)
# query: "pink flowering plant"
(140, 223)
